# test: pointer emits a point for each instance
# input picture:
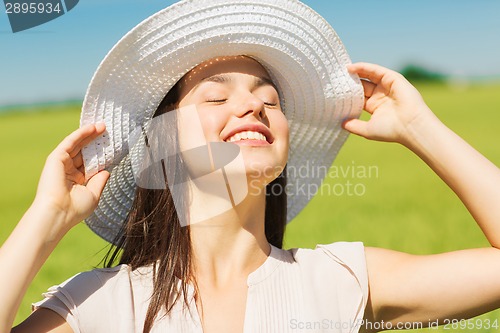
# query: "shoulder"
(93, 301)
(342, 260)
(345, 253)
(96, 278)
(90, 285)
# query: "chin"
(264, 170)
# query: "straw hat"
(300, 50)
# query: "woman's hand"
(396, 107)
(62, 187)
(452, 285)
(62, 200)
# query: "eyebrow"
(217, 78)
(264, 81)
(226, 78)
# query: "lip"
(256, 143)
(251, 127)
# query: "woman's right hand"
(62, 188)
(62, 200)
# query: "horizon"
(451, 81)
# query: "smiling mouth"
(247, 135)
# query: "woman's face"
(237, 102)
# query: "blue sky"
(55, 61)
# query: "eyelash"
(216, 100)
(224, 100)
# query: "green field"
(398, 203)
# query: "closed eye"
(217, 100)
(224, 100)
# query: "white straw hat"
(300, 50)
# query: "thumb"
(97, 182)
(356, 126)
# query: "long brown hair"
(152, 234)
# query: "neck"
(230, 246)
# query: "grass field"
(398, 204)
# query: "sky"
(55, 61)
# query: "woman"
(230, 259)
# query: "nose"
(252, 105)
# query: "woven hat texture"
(301, 51)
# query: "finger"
(99, 129)
(78, 160)
(368, 87)
(77, 137)
(356, 126)
(97, 182)
(372, 72)
(77, 177)
(72, 173)
(71, 163)
(81, 169)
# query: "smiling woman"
(213, 103)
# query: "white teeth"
(247, 135)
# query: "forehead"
(223, 65)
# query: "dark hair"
(152, 234)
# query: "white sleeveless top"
(296, 290)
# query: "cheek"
(280, 127)
(212, 124)
(190, 129)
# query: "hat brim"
(300, 50)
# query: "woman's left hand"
(450, 286)
(396, 107)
